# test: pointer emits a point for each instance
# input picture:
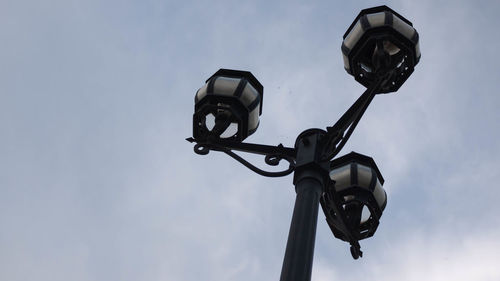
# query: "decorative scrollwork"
(272, 160)
(201, 149)
(273, 155)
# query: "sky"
(97, 181)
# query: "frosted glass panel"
(346, 62)
(353, 36)
(225, 86)
(376, 19)
(403, 27)
(342, 177)
(249, 95)
(364, 176)
(379, 194)
(202, 92)
(253, 119)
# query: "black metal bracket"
(273, 154)
(335, 139)
(339, 133)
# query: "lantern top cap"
(357, 158)
(374, 10)
(239, 74)
(231, 73)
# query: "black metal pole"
(309, 179)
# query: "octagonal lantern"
(354, 203)
(228, 106)
(381, 43)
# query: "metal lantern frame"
(371, 27)
(357, 193)
(213, 102)
(313, 155)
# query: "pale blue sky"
(98, 183)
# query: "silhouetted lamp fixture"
(353, 203)
(380, 49)
(228, 106)
(381, 43)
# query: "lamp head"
(381, 43)
(228, 106)
(354, 203)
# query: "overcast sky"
(98, 183)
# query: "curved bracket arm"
(272, 160)
(337, 135)
(273, 154)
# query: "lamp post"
(380, 49)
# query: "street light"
(380, 50)
(381, 42)
(228, 106)
(354, 204)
